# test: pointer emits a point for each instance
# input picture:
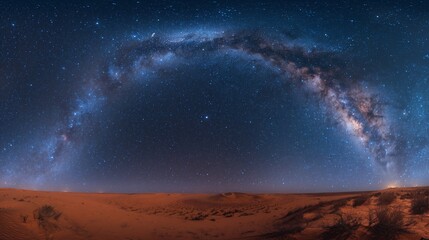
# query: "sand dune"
(58, 215)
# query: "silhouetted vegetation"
(45, 216)
(342, 229)
(46, 212)
(386, 198)
(385, 223)
(419, 203)
(24, 218)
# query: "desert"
(396, 213)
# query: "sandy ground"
(24, 215)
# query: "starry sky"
(212, 96)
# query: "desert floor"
(59, 215)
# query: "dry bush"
(45, 216)
(24, 218)
(358, 201)
(386, 198)
(342, 229)
(419, 203)
(385, 223)
(46, 212)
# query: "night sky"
(207, 96)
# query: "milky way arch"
(348, 101)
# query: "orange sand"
(187, 216)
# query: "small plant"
(419, 203)
(386, 198)
(45, 216)
(360, 200)
(24, 218)
(342, 229)
(386, 223)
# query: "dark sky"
(208, 96)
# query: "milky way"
(350, 102)
(198, 96)
(355, 107)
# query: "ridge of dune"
(11, 229)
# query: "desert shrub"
(342, 229)
(386, 198)
(386, 223)
(46, 212)
(360, 200)
(419, 203)
(46, 217)
(24, 218)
